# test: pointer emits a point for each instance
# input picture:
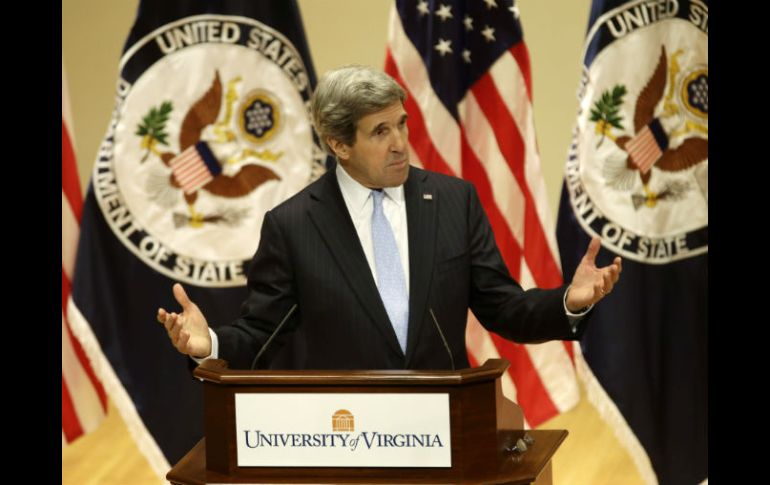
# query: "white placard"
(343, 430)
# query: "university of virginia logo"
(343, 420)
(638, 168)
(210, 130)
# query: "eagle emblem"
(670, 132)
(207, 147)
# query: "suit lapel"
(332, 219)
(421, 209)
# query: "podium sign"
(343, 430)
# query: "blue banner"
(637, 175)
(210, 129)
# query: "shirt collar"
(358, 194)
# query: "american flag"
(83, 400)
(466, 69)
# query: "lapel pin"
(427, 196)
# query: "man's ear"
(340, 149)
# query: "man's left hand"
(590, 284)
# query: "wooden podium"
(484, 427)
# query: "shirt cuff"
(574, 318)
(214, 349)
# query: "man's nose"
(398, 144)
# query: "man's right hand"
(188, 331)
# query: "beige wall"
(339, 32)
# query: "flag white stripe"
(505, 189)
(85, 400)
(526, 280)
(511, 85)
(439, 123)
(69, 236)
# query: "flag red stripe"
(70, 183)
(521, 54)
(70, 424)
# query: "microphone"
(522, 444)
(443, 339)
(272, 336)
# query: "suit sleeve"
(498, 301)
(271, 294)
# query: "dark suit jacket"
(309, 254)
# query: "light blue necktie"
(390, 273)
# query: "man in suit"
(375, 265)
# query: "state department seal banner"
(637, 176)
(210, 130)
